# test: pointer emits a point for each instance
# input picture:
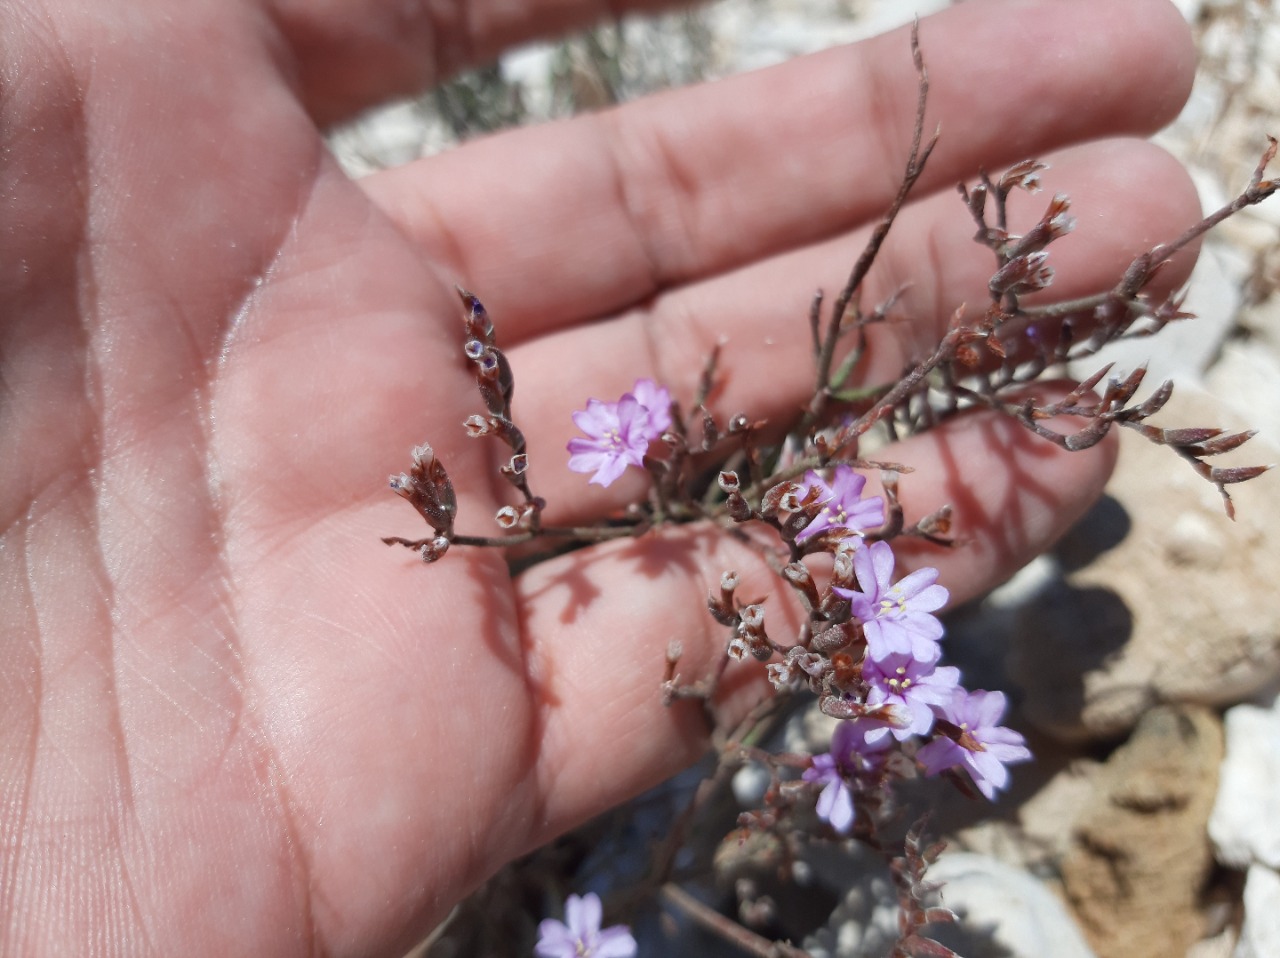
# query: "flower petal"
(597, 419)
(582, 914)
(554, 940)
(657, 400)
(835, 806)
(940, 755)
(615, 941)
(609, 470)
(847, 485)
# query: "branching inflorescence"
(869, 646)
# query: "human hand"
(233, 722)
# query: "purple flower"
(987, 748)
(841, 505)
(619, 433)
(835, 802)
(912, 687)
(580, 935)
(850, 753)
(657, 400)
(896, 618)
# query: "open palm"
(231, 720)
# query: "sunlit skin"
(232, 721)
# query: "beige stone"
(1183, 607)
(1140, 854)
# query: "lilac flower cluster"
(878, 672)
(901, 693)
(619, 433)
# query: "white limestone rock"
(1245, 823)
(1260, 935)
(1003, 911)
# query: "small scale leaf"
(1236, 474)
(1221, 444)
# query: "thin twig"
(1144, 266)
(727, 928)
(916, 160)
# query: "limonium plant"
(868, 650)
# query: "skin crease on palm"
(231, 720)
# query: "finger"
(1128, 195)
(556, 224)
(351, 54)
(599, 622)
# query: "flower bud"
(799, 576)
(739, 508)
(489, 366)
(423, 455)
(797, 573)
(529, 512)
(1060, 221)
(478, 426)
(478, 322)
(433, 550)
(842, 568)
(828, 640)
(811, 664)
(837, 706)
(1022, 274)
(780, 675)
(772, 501)
(1025, 175)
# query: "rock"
(1190, 9)
(1261, 320)
(750, 784)
(866, 920)
(1260, 934)
(1247, 377)
(1141, 855)
(1003, 912)
(1173, 610)
(1047, 818)
(1245, 823)
(1220, 945)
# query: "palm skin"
(233, 722)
